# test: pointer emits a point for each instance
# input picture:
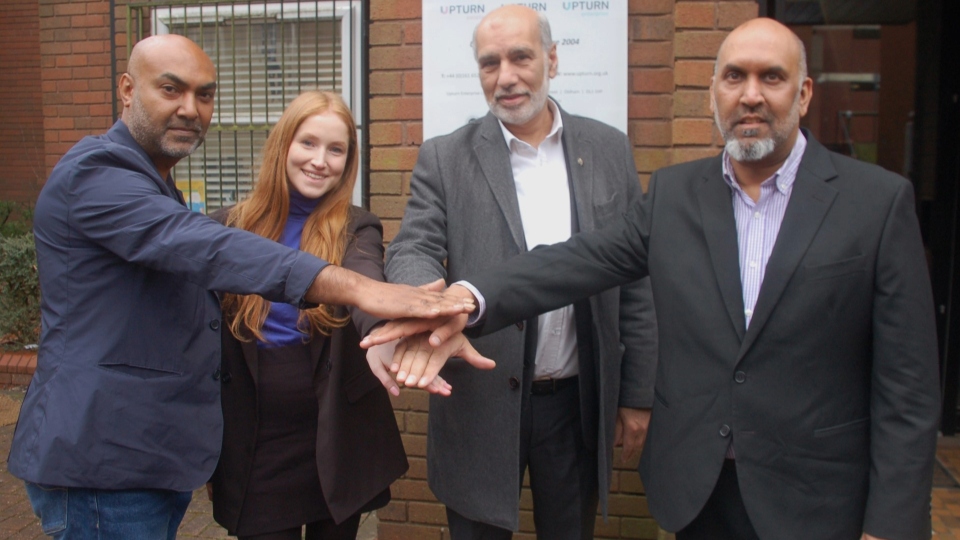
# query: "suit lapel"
(578, 151)
(809, 202)
(720, 231)
(494, 160)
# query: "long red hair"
(265, 212)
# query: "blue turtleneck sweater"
(280, 327)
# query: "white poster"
(591, 38)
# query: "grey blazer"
(831, 396)
(463, 217)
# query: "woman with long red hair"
(310, 439)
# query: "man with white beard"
(576, 381)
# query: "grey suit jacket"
(831, 396)
(463, 211)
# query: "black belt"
(551, 386)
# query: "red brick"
(386, 134)
(416, 422)
(386, 206)
(733, 14)
(688, 103)
(683, 155)
(413, 82)
(651, 159)
(639, 528)
(649, 106)
(386, 33)
(696, 15)
(390, 229)
(693, 73)
(385, 82)
(688, 131)
(630, 482)
(413, 133)
(393, 511)
(396, 108)
(385, 183)
(391, 57)
(410, 399)
(71, 8)
(653, 28)
(413, 33)
(651, 133)
(652, 80)
(394, 9)
(650, 7)
(427, 513)
(651, 53)
(403, 531)
(412, 490)
(627, 505)
(610, 529)
(90, 97)
(698, 44)
(418, 469)
(88, 21)
(415, 445)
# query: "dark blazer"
(359, 452)
(463, 216)
(831, 395)
(124, 395)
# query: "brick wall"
(75, 73)
(21, 124)
(671, 51)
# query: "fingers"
(448, 327)
(379, 358)
(399, 328)
(474, 358)
(439, 386)
(618, 432)
(434, 286)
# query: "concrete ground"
(17, 521)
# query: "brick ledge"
(16, 368)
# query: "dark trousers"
(563, 473)
(724, 517)
(319, 530)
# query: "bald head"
(167, 95)
(761, 32)
(517, 14)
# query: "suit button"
(740, 376)
(514, 383)
(216, 375)
(724, 430)
(520, 325)
(215, 324)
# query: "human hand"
(380, 360)
(442, 327)
(338, 286)
(631, 431)
(418, 362)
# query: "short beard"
(751, 152)
(523, 114)
(151, 137)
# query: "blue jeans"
(101, 514)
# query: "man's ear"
(553, 62)
(713, 97)
(125, 88)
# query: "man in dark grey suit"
(524, 175)
(797, 389)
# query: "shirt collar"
(556, 130)
(785, 175)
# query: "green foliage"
(19, 291)
(16, 219)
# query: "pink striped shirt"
(758, 222)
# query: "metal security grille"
(266, 53)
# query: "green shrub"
(19, 291)
(16, 219)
